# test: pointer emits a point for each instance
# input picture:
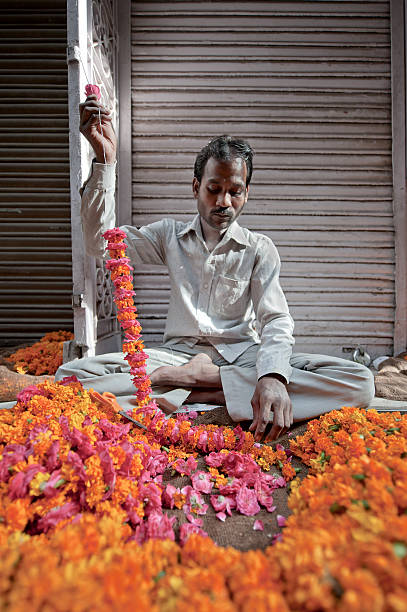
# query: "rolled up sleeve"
(145, 245)
(273, 320)
(98, 207)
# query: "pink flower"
(53, 456)
(194, 520)
(201, 481)
(258, 526)
(150, 493)
(67, 380)
(231, 487)
(194, 501)
(203, 440)
(55, 515)
(246, 501)
(240, 465)
(114, 233)
(215, 459)
(186, 467)
(28, 393)
(116, 246)
(279, 482)
(109, 473)
(223, 502)
(281, 520)
(168, 496)
(158, 526)
(264, 495)
(188, 529)
(111, 264)
(221, 516)
(92, 89)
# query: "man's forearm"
(98, 207)
(276, 348)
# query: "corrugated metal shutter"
(35, 246)
(308, 84)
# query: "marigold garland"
(43, 357)
(133, 346)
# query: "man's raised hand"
(269, 396)
(98, 130)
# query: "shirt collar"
(234, 231)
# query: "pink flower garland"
(133, 346)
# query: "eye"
(236, 194)
(213, 189)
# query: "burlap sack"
(391, 380)
(237, 530)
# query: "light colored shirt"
(230, 297)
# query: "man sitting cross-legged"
(228, 337)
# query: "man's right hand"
(103, 141)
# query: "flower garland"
(43, 357)
(133, 346)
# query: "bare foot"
(11, 383)
(199, 371)
(206, 396)
(166, 406)
(199, 396)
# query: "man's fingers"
(93, 122)
(90, 107)
(263, 418)
(278, 421)
(255, 407)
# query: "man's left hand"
(271, 395)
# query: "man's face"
(222, 192)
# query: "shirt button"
(205, 286)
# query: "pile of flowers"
(43, 357)
(83, 502)
(63, 454)
(88, 519)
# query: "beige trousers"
(319, 383)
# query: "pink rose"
(246, 501)
(201, 481)
(223, 502)
(92, 89)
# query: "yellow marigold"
(36, 482)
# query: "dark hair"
(224, 148)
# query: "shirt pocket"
(230, 298)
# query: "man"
(228, 337)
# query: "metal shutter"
(308, 84)
(35, 246)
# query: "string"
(100, 118)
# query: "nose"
(224, 200)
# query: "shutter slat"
(35, 241)
(308, 84)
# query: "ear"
(247, 194)
(195, 187)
